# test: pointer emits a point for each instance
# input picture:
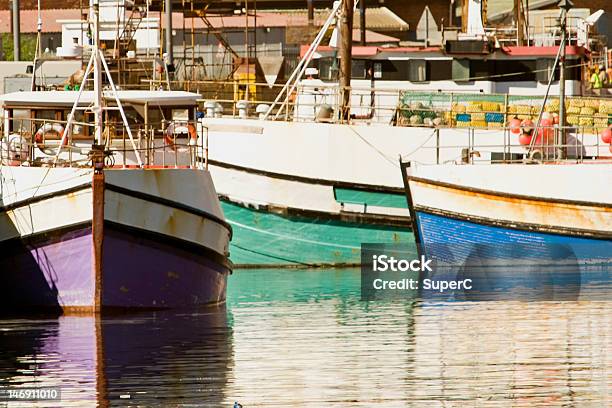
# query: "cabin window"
(439, 70)
(417, 71)
(545, 68)
(461, 70)
(513, 70)
(394, 70)
(377, 68)
(358, 69)
(328, 70)
(21, 121)
(79, 130)
(481, 70)
(180, 115)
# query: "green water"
(303, 338)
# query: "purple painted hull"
(139, 271)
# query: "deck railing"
(541, 145)
(36, 142)
(401, 107)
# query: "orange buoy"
(515, 125)
(524, 139)
(527, 126)
(546, 122)
(606, 135)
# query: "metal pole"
(168, 16)
(562, 130)
(346, 48)
(16, 31)
(97, 72)
(362, 21)
(426, 26)
(310, 7)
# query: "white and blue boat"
(513, 203)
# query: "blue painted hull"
(511, 263)
(437, 229)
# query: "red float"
(546, 123)
(527, 126)
(606, 136)
(524, 139)
(515, 125)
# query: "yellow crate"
(576, 102)
(464, 124)
(511, 109)
(495, 125)
(573, 119)
(605, 107)
(587, 110)
(478, 116)
(523, 109)
(473, 107)
(592, 103)
(458, 108)
(585, 121)
(490, 107)
(573, 110)
(523, 117)
(479, 124)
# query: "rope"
(383, 155)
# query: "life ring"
(180, 128)
(48, 128)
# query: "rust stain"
(173, 275)
(529, 209)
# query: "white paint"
(565, 182)
(260, 190)
(363, 154)
(193, 188)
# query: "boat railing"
(321, 102)
(536, 145)
(26, 141)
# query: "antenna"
(37, 53)
(95, 64)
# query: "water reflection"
(144, 359)
(304, 339)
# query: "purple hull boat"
(148, 243)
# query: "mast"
(16, 31)
(346, 57)
(37, 51)
(97, 71)
(565, 6)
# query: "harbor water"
(304, 338)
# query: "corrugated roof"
(373, 37)
(29, 20)
(377, 18)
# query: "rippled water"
(304, 338)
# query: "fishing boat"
(491, 204)
(101, 208)
(305, 182)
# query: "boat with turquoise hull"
(282, 238)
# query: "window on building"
(461, 70)
(417, 70)
(358, 69)
(544, 68)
